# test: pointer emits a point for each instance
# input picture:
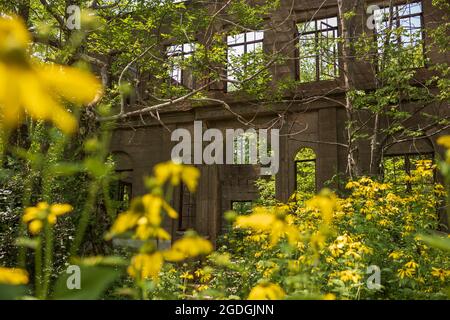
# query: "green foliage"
(266, 191)
(94, 281)
(376, 225)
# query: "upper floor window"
(178, 72)
(318, 50)
(241, 48)
(245, 148)
(400, 27)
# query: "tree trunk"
(24, 10)
(348, 27)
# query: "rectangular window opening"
(318, 50)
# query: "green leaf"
(436, 242)
(10, 292)
(65, 169)
(108, 261)
(94, 281)
(96, 167)
(27, 242)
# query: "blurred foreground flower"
(177, 172)
(444, 141)
(13, 276)
(36, 89)
(272, 221)
(188, 247)
(145, 217)
(146, 266)
(268, 291)
(326, 202)
(36, 216)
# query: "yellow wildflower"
(13, 276)
(269, 220)
(353, 254)
(420, 280)
(202, 287)
(188, 247)
(177, 172)
(440, 273)
(326, 202)
(124, 222)
(257, 237)
(329, 296)
(268, 291)
(351, 185)
(349, 275)
(439, 190)
(145, 216)
(395, 255)
(444, 141)
(335, 250)
(384, 222)
(146, 266)
(35, 216)
(329, 260)
(406, 273)
(294, 265)
(186, 275)
(261, 221)
(36, 89)
(411, 265)
(145, 231)
(35, 226)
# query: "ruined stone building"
(318, 124)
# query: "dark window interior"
(186, 219)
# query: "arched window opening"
(305, 172)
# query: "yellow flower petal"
(444, 141)
(14, 37)
(34, 88)
(146, 266)
(267, 292)
(188, 247)
(35, 226)
(72, 84)
(153, 205)
(60, 209)
(13, 276)
(170, 211)
(124, 222)
(190, 176)
(30, 214)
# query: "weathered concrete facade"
(318, 124)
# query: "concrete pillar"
(327, 155)
(208, 203)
